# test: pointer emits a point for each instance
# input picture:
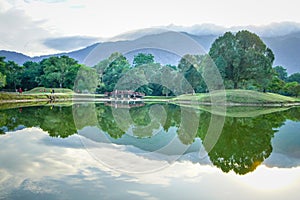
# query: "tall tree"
(281, 72)
(116, 66)
(30, 77)
(189, 66)
(59, 72)
(242, 56)
(86, 80)
(276, 85)
(13, 73)
(294, 77)
(142, 58)
(292, 88)
(2, 75)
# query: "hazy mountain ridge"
(286, 48)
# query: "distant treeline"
(242, 60)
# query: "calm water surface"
(148, 151)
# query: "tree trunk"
(235, 86)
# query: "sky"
(36, 27)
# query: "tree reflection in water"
(244, 143)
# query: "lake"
(148, 151)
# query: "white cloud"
(31, 21)
(109, 18)
(19, 33)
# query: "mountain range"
(168, 46)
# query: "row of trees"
(243, 60)
(283, 84)
(112, 69)
(53, 72)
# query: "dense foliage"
(53, 72)
(242, 59)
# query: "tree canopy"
(142, 58)
(59, 71)
(2, 76)
(281, 72)
(294, 77)
(111, 70)
(242, 57)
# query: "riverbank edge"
(64, 97)
(182, 102)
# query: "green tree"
(31, 75)
(142, 58)
(292, 88)
(59, 72)
(2, 80)
(2, 75)
(100, 68)
(276, 85)
(189, 66)
(86, 80)
(13, 75)
(149, 89)
(294, 77)
(281, 72)
(242, 57)
(117, 65)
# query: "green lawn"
(42, 90)
(36, 94)
(244, 97)
(15, 96)
(239, 96)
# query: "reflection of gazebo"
(124, 94)
(125, 105)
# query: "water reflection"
(244, 144)
(37, 166)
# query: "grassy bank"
(43, 90)
(232, 97)
(238, 97)
(26, 97)
(15, 96)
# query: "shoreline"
(178, 102)
(232, 98)
(232, 104)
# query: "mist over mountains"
(282, 38)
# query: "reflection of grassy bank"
(238, 111)
(15, 97)
(4, 106)
(233, 97)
